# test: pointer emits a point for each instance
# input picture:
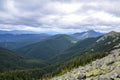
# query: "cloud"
(60, 15)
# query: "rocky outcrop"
(107, 68)
(111, 34)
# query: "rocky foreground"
(107, 68)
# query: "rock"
(103, 79)
(107, 68)
(115, 75)
(110, 63)
(81, 77)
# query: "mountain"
(48, 48)
(14, 41)
(17, 32)
(87, 34)
(107, 68)
(10, 60)
(111, 34)
(67, 53)
(75, 50)
(77, 56)
(90, 45)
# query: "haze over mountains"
(17, 32)
(14, 41)
(8, 39)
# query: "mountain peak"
(87, 34)
(111, 34)
(90, 31)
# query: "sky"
(60, 15)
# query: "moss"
(94, 72)
(117, 79)
(118, 64)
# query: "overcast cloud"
(60, 15)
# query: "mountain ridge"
(54, 45)
(89, 45)
(87, 34)
(14, 41)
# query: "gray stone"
(81, 77)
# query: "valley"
(59, 56)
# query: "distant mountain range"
(87, 34)
(16, 39)
(28, 32)
(54, 54)
(17, 32)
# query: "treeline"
(34, 74)
(76, 62)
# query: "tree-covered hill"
(10, 60)
(48, 48)
(15, 41)
(90, 45)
